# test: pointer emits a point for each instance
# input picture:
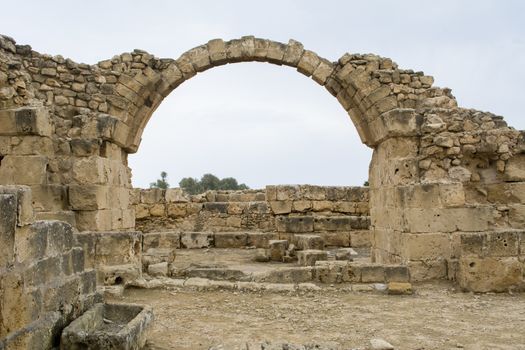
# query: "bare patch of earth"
(436, 317)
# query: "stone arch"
(361, 83)
(443, 179)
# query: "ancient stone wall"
(339, 214)
(44, 284)
(438, 172)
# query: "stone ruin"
(446, 197)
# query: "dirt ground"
(436, 317)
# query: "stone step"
(321, 223)
(256, 239)
(204, 284)
(323, 272)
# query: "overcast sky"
(265, 124)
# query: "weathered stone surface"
(305, 242)
(230, 239)
(311, 256)
(194, 240)
(90, 329)
(277, 249)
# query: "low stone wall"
(43, 281)
(339, 214)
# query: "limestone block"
(360, 238)
(426, 270)
(322, 72)
(370, 273)
(346, 207)
(8, 215)
(169, 239)
(288, 275)
(301, 206)
(294, 224)
(288, 192)
(23, 170)
(310, 256)
(449, 219)
(345, 254)
(277, 249)
(88, 242)
(217, 51)
(260, 239)
(24, 198)
(176, 195)
(335, 272)
(281, 207)
(88, 281)
(399, 121)
(30, 243)
(230, 239)
(19, 308)
(152, 196)
(399, 288)
(335, 238)
(502, 244)
(122, 219)
(294, 51)
(118, 274)
(89, 197)
(260, 52)
(84, 148)
(275, 52)
(25, 121)
(308, 63)
(341, 223)
(237, 208)
(173, 75)
(194, 240)
(397, 273)
(159, 269)
(94, 220)
(157, 209)
(491, 274)
(506, 193)
(118, 248)
(426, 246)
(517, 215)
(515, 168)
(419, 195)
(308, 242)
(217, 207)
(452, 194)
(135, 196)
(234, 222)
(271, 193)
(142, 211)
(91, 170)
(157, 255)
(322, 205)
(49, 197)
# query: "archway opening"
(266, 126)
(262, 124)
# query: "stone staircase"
(261, 257)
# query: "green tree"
(161, 183)
(190, 185)
(366, 183)
(210, 182)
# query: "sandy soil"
(436, 317)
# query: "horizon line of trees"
(195, 186)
